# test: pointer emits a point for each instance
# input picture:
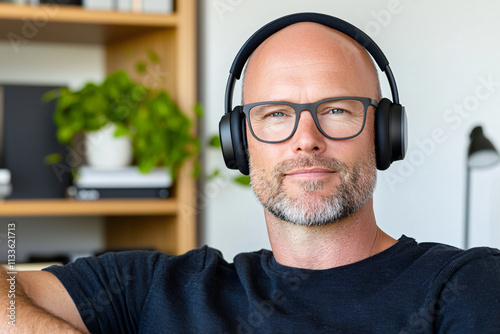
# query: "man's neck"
(322, 247)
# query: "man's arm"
(36, 302)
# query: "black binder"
(28, 136)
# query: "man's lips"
(314, 172)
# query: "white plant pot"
(105, 151)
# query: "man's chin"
(320, 188)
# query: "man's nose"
(307, 137)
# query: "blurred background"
(447, 67)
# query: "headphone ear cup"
(382, 134)
(232, 134)
(226, 141)
(239, 139)
(390, 133)
(398, 132)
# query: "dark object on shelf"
(92, 194)
(62, 2)
(28, 137)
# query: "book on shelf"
(138, 6)
(98, 4)
(51, 2)
(146, 6)
(127, 182)
(126, 177)
(17, 2)
(92, 194)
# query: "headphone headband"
(335, 23)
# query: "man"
(332, 269)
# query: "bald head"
(307, 62)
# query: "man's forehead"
(299, 36)
(311, 45)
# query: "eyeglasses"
(337, 118)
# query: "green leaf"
(51, 95)
(140, 67)
(121, 130)
(145, 165)
(52, 158)
(64, 135)
(198, 110)
(196, 169)
(243, 180)
(214, 142)
(153, 57)
(213, 175)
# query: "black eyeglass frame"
(311, 107)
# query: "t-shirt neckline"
(402, 243)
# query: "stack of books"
(138, 6)
(5, 183)
(129, 182)
(145, 6)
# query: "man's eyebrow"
(275, 101)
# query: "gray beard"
(355, 189)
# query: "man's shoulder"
(436, 263)
(473, 263)
(453, 257)
(190, 262)
(461, 289)
(447, 266)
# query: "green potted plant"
(159, 132)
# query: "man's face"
(310, 179)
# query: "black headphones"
(390, 117)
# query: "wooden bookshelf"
(72, 24)
(104, 207)
(168, 225)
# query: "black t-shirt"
(409, 288)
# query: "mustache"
(287, 166)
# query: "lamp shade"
(482, 153)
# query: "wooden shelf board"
(72, 24)
(104, 207)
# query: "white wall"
(442, 53)
(50, 63)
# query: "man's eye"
(276, 114)
(336, 111)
